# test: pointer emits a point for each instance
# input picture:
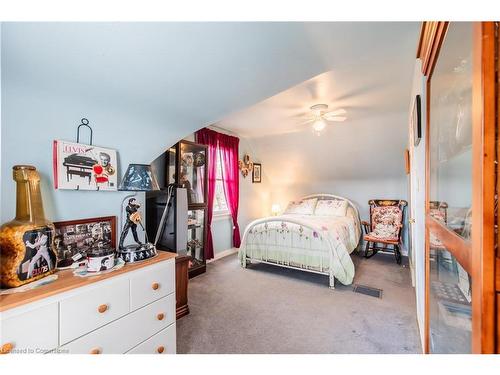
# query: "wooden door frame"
(481, 262)
(483, 189)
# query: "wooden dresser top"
(67, 281)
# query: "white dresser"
(131, 310)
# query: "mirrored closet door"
(460, 195)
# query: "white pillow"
(331, 207)
(305, 207)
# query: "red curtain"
(209, 137)
(228, 147)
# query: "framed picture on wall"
(78, 236)
(407, 161)
(84, 167)
(257, 173)
(416, 120)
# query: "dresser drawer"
(34, 331)
(123, 334)
(149, 285)
(161, 343)
(93, 308)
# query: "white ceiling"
(185, 76)
(367, 87)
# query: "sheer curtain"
(228, 147)
(209, 138)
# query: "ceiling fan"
(321, 116)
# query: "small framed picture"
(416, 121)
(79, 236)
(257, 173)
(407, 161)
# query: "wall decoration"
(416, 120)
(74, 238)
(257, 173)
(245, 165)
(78, 166)
(407, 161)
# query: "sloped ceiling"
(189, 75)
(374, 89)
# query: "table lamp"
(275, 209)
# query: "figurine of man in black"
(133, 217)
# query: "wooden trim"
(483, 188)
(431, 38)
(479, 261)
(458, 246)
(427, 211)
(67, 281)
(497, 280)
(498, 320)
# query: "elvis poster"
(39, 257)
(84, 167)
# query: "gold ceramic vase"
(26, 243)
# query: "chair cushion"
(331, 207)
(437, 214)
(386, 222)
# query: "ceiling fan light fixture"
(319, 109)
(319, 125)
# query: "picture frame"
(78, 166)
(77, 236)
(416, 121)
(407, 161)
(257, 173)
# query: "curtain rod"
(222, 130)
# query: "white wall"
(417, 204)
(360, 159)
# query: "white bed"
(312, 243)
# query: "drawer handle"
(155, 286)
(160, 349)
(95, 351)
(6, 348)
(160, 316)
(102, 308)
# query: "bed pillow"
(331, 207)
(305, 207)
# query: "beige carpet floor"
(269, 309)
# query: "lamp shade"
(275, 209)
(139, 177)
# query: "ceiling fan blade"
(337, 112)
(336, 118)
(308, 121)
(302, 114)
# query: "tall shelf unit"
(185, 166)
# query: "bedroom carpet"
(268, 309)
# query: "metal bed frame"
(249, 260)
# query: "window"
(220, 203)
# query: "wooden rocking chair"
(385, 227)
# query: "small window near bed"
(220, 202)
